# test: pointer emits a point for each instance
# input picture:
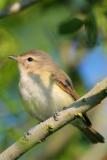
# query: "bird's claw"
(78, 115)
(55, 116)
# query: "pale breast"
(43, 97)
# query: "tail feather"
(83, 123)
(92, 135)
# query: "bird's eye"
(30, 59)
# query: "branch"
(40, 132)
(16, 7)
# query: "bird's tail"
(92, 134)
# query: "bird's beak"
(13, 58)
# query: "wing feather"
(64, 82)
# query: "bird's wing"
(64, 82)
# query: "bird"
(46, 89)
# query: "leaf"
(91, 31)
(70, 26)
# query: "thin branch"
(16, 7)
(40, 132)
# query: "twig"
(16, 7)
(40, 132)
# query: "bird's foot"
(84, 118)
(55, 116)
(79, 115)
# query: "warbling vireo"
(46, 89)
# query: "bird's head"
(33, 61)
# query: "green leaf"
(91, 31)
(70, 26)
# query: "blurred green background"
(74, 33)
